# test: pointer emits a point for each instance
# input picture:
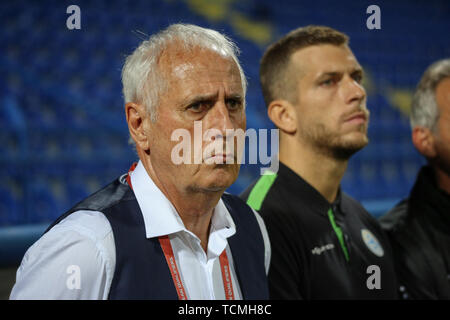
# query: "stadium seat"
(62, 118)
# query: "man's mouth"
(357, 118)
(220, 158)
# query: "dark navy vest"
(141, 270)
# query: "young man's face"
(331, 102)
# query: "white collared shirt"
(76, 258)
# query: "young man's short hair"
(275, 79)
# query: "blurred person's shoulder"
(395, 218)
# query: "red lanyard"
(226, 275)
(170, 259)
(133, 166)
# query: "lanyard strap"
(226, 276)
(133, 166)
(339, 233)
(170, 259)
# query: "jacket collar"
(427, 199)
(296, 186)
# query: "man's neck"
(322, 172)
(442, 179)
(195, 208)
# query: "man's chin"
(219, 179)
(346, 149)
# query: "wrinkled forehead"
(177, 53)
(198, 64)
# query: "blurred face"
(331, 107)
(203, 87)
(442, 138)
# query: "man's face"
(442, 137)
(202, 86)
(332, 116)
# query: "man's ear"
(423, 140)
(136, 118)
(283, 115)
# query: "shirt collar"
(297, 185)
(160, 216)
(222, 220)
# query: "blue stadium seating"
(63, 132)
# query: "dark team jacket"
(141, 270)
(419, 231)
(308, 260)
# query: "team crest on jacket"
(372, 242)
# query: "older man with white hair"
(419, 227)
(163, 230)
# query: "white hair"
(142, 80)
(424, 108)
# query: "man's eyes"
(328, 82)
(200, 106)
(358, 77)
(197, 107)
(234, 104)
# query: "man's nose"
(354, 91)
(219, 118)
